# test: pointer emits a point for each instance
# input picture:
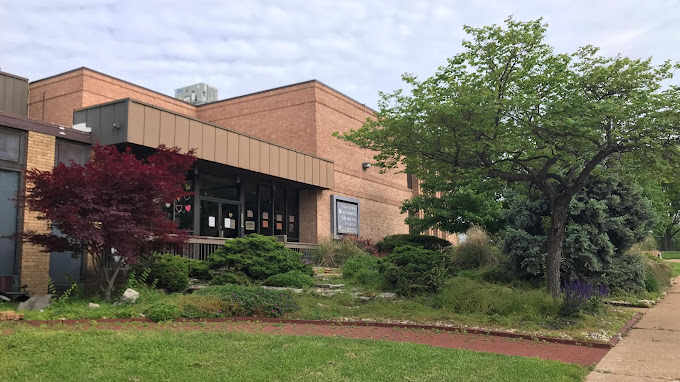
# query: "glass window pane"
(292, 218)
(210, 212)
(218, 187)
(250, 215)
(266, 227)
(9, 186)
(10, 143)
(67, 151)
(279, 212)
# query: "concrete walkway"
(651, 351)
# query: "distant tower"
(197, 94)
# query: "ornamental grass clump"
(581, 295)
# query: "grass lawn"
(671, 255)
(675, 267)
(50, 354)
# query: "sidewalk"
(651, 351)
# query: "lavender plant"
(579, 294)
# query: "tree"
(606, 218)
(509, 109)
(111, 207)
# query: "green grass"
(473, 303)
(671, 255)
(34, 354)
(675, 268)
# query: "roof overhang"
(131, 121)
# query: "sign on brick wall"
(344, 216)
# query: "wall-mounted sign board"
(344, 216)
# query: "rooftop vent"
(197, 94)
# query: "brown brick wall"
(35, 263)
(283, 116)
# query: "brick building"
(268, 162)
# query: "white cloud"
(358, 47)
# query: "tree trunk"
(558, 230)
(667, 241)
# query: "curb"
(456, 329)
(625, 329)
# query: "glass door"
(229, 220)
(210, 218)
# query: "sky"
(357, 47)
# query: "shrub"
(578, 295)
(410, 270)
(363, 270)
(198, 269)
(475, 252)
(366, 244)
(251, 301)
(230, 278)
(335, 253)
(170, 271)
(162, 312)
(292, 279)
(389, 243)
(625, 273)
(257, 257)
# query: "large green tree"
(510, 109)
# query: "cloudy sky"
(357, 47)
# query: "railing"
(199, 247)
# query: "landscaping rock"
(387, 295)
(129, 296)
(294, 290)
(320, 305)
(4, 298)
(327, 292)
(330, 286)
(36, 303)
(92, 305)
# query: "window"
(70, 151)
(292, 220)
(266, 227)
(10, 143)
(409, 181)
(218, 187)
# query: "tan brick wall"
(35, 263)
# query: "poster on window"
(250, 225)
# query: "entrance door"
(219, 218)
(9, 186)
(229, 220)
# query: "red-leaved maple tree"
(111, 207)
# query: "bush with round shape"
(363, 270)
(389, 243)
(170, 272)
(161, 311)
(230, 278)
(257, 257)
(291, 279)
(410, 270)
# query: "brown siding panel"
(309, 169)
(232, 149)
(283, 163)
(323, 175)
(182, 133)
(330, 171)
(136, 123)
(167, 129)
(208, 147)
(243, 152)
(264, 158)
(300, 168)
(292, 165)
(152, 127)
(196, 137)
(221, 146)
(315, 171)
(254, 155)
(274, 160)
